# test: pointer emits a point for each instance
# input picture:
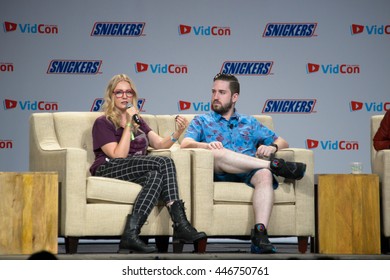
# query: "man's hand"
(264, 151)
(215, 145)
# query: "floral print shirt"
(241, 133)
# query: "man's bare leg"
(263, 200)
(263, 196)
(227, 161)
(231, 162)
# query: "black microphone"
(135, 116)
(231, 126)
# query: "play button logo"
(311, 67)
(357, 29)
(141, 67)
(184, 105)
(311, 143)
(356, 106)
(184, 29)
(10, 104)
(9, 26)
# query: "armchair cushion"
(101, 189)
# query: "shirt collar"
(217, 117)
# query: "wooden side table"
(28, 212)
(348, 214)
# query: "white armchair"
(224, 209)
(95, 207)
(380, 164)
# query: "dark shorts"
(242, 178)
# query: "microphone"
(135, 116)
(231, 126)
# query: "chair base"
(303, 242)
(385, 244)
(162, 244)
(72, 242)
(199, 246)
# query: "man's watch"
(276, 146)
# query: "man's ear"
(235, 97)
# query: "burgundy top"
(382, 136)
(104, 132)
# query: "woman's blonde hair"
(112, 113)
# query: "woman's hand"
(131, 111)
(181, 124)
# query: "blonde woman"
(120, 141)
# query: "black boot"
(183, 231)
(130, 241)
(288, 170)
(260, 241)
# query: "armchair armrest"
(381, 163)
(304, 189)
(202, 177)
(70, 163)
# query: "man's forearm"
(190, 143)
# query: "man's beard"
(222, 110)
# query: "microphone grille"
(129, 105)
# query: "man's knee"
(262, 177)
(219, 153)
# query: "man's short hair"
(233, 81)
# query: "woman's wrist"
(174, 137)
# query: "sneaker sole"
(258, 250)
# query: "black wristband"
(276, 146)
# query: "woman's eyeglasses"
(121, 93)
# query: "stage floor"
(217, 249)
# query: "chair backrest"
(375, 123)
(71, 130)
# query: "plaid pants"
(156, 175)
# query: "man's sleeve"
(264, 135)
(195, 130)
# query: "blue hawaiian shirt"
(242, 133)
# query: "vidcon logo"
(332, 69)
(204, 30)
(198, 106)
(161, 68)
(288, 30)
(118, 29)
(255, 68)
(370, 29)
(369, 106)
(30, 28)
(30, 105)
(342, 145)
